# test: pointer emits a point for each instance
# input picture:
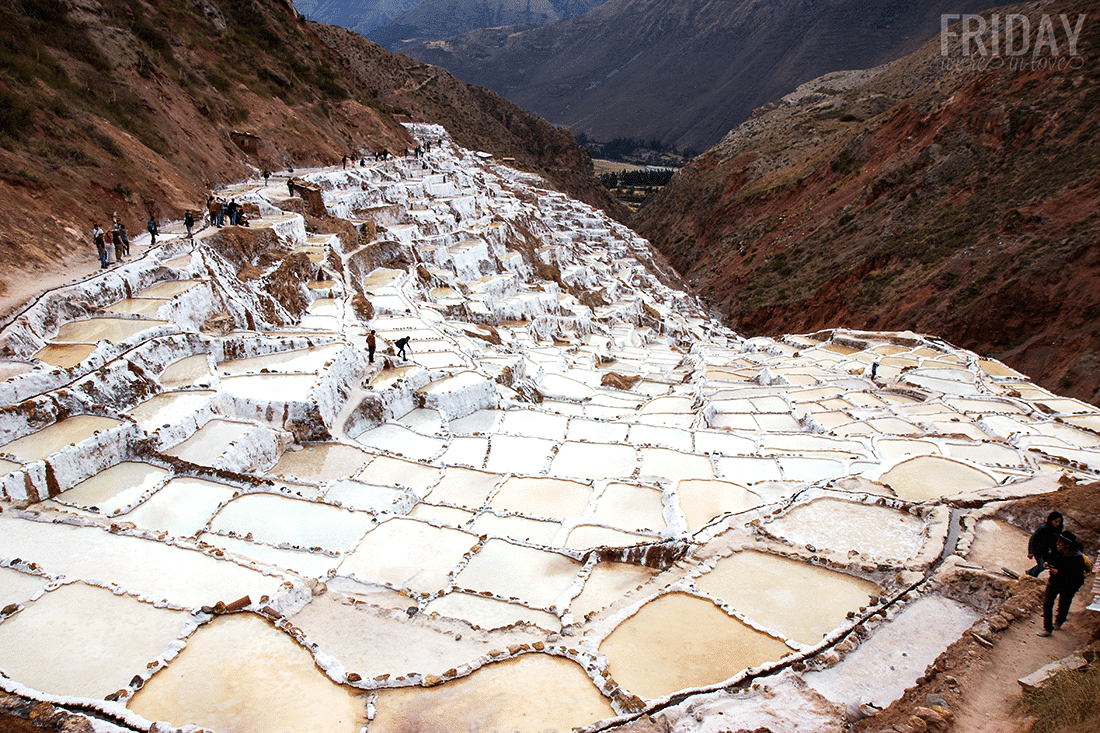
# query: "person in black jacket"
(1041, 544)
(1068, 566)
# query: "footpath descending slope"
(572, 481)
(937, 194)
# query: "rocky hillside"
(939, 196)
(136, 108)
(435, 19)
(683, 73)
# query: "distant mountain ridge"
(931, 194)
(362, 16)
(435, 19)
(682, 72)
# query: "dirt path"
(990, 690)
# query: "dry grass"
(1069, 702)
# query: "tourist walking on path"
(1068, 566)
(100, 246)
(1042, 542)
(109, 246)
(120, 228)
(120, 247)
(188, 221)
(372, 342)
(402, 344)
(153, 231)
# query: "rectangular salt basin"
(534, 577)
(147, 307)
(801, 601)
(489, 613)
(49, 440)
(64, 356)
(169, 288)
(512, 454)
(464, 487)
(295, 360)
(185, 577)
(17, 587)
(116, 488)
(302, 562)
(83, 641)
(168, 407)
(873, 531)
(408, 554)
(279, 520)
(182, 508)
(103, 329)
(542, 497)
(186, 372)
(210, 441)
(594, 461)
(401, 441)
(631, 507)
(321, 462)
(270, 387)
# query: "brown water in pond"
(678, 642)
(321, 462)
(239, 674)
(102, 329)
(64, 356)
(532, 694)
(931, 477)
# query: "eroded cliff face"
(137, 109)
(954, 199)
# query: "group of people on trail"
(1056, 549)
(220, 210)
(400, 344)
(113, 245)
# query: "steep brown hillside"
(139, 108)
(954, 199)
(682, 71)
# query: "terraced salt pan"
(673, 465)
(83, 641)
(480, 422)
(596, 431)
(542, 497)
(187, 372)
(112, 330)
(427, 557)
(416, 477)
(489, 613)
(631, 507)
(535, 577)
(925, 478)
(168, 408)
(365, 497)
(497, 698)
(64, 356)
(465, 452)
(147, 307)
(239, 673)
(270, 387)
(873, 531)
(513, 454)
(801, 601)
(210, 441)
(49, 440)
(280, 520)
(526, 530)
(606, 584)
(372, 642)
(594, 460)
(679, 641)
(116, 488)
(296, 360)
(702, 500)
(402, 441)
(169, 288)
(464, 487)
(898, 653)
(321, 462)
(302, 562)
(182, 508)
(185, 577)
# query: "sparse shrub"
(16, 116)
(1067, 702)
(122, 190)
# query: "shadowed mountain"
(436, 19)
(933, 194)
(680, 72)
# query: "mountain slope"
(139, 109)
(681, 72)
(961, 202)
(362, 15)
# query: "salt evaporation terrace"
(580, 497)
